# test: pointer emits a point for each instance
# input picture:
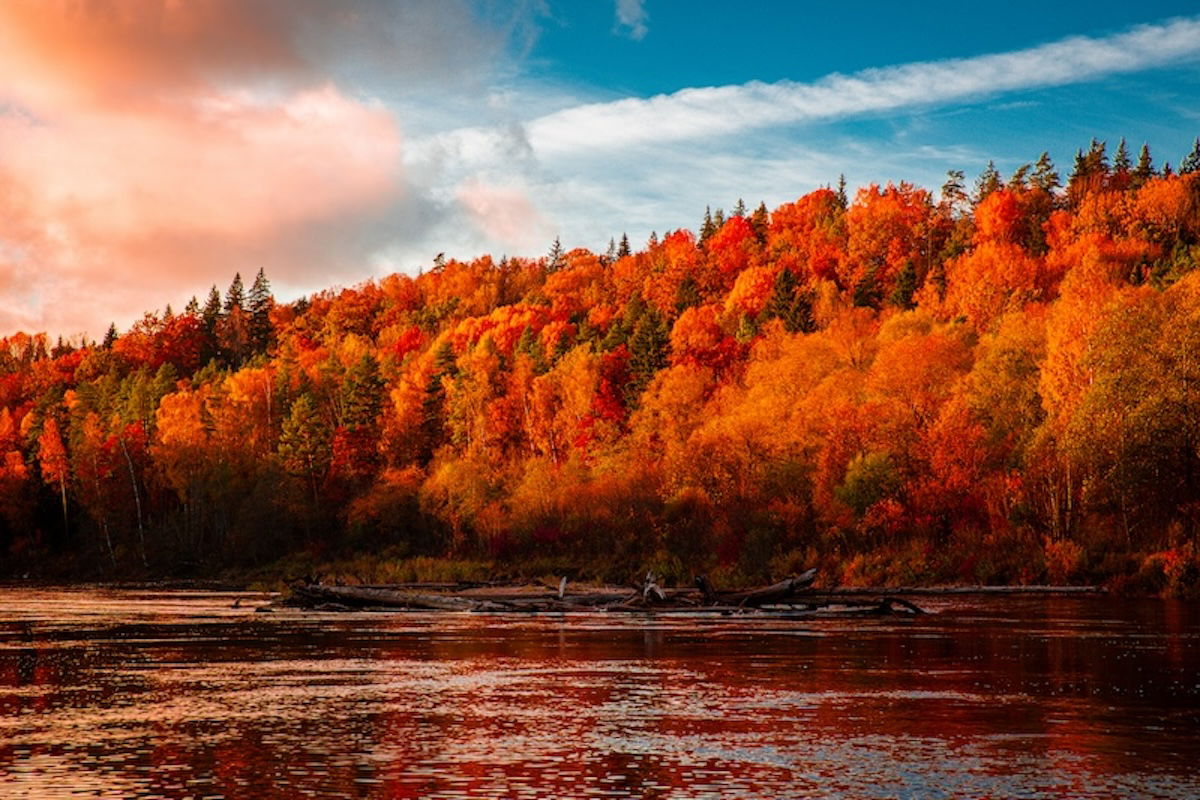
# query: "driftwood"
(756, 598)
(793, 596)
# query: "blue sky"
(561, 132)
(148, 154)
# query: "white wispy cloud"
(712, 111)
(631, 17)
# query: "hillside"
(997, 384)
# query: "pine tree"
(361, 394)
(110, 337)
(554, 258)
(304, 443)
(954, 191)
(707, 227)
(789, 304)
(1121, 163)
(610, 255)
(1045, 177)
(760, 221)
(1019, 177)
(988, 182)
(1144, 170)
(209, 317)
(649, 348)
(842, 199)
(906, 287)
(260, 303)
(739, 209)
(623, 250)
(433, 406)
(235, 296)
(192, 307)
(530, 344)
(1191, 162)
(687, 295)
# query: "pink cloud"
(149, 148)
(504, 214)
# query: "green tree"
(649, 348)
(906, 286)
(987, 182)
(260, 303)
(1144, 170)
(433, 406)
(235, 295)
(304, 443)
(1045, 177)
(1191, 162)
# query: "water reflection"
(123, 694)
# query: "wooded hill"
(999, 384)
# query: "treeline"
(999, 384)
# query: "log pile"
(793, 596)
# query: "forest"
(994, 383)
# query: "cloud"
(504, 214)
(631, 17)
(149, 148)
(715, 111)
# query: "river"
(173, 694)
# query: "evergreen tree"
(110, 336)
(649, 348)
(554, 259)
(260, 303)
(530, 344)
(361, 395)
(1121, 162)
(687, 295)
(790, 304)
(707, 227)
(1097, 159)
(610, 255)
(954, 191)
(739, 210)
(906, 287)
(235, 296)
(842, 199)
(192, 307)
(1045, 177)
(1191, 162)
(209, 318)
(867, 292)
(988, 182)
(760, 221)
(1144, 170)
(433, 406)
(1019, 177)
(623, 250)
(304, 443)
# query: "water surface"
(122, 694)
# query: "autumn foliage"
(1003, 388)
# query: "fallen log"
(374, 597)
(755, 598)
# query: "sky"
(152, 148)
